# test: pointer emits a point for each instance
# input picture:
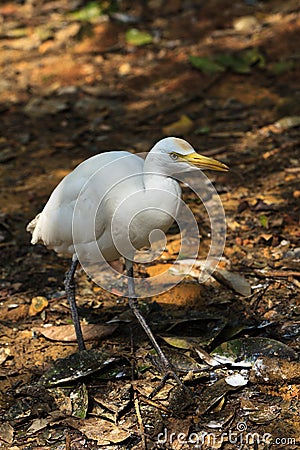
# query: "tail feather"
(31, 227)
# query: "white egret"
(93, 194)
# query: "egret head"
(174, 155)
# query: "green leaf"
(203, 130)
(282, 67)
(233, 62)
(253, 56)
(88, 12)
(242, 61)
(264, 221)
(205, 64)
(137, 37)
(239, 63)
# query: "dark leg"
(70, 292)
(133, 303)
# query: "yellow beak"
(203, 162)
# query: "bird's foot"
(168, 372)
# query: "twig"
(277, 273)
(150, 402)
(140, 421)
(292, 169)
(68, 442)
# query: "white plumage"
(141, 194)
(108, 206)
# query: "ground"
(77, 81)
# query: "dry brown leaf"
(100, 430)
(66, 333)
(37, 305)
(37, 424)
(234, 281)
(4, 354)
(182, 294)
(6, 433)
(15, 314)
(158, 269)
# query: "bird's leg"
(70, 292)
(133, 303)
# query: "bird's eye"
(174, 156)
